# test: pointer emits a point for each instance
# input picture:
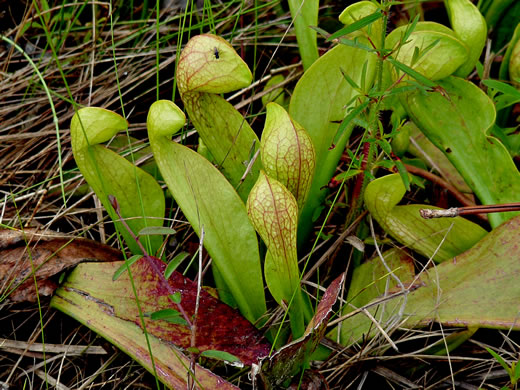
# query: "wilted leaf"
(219, 327)
(283, 364)
(170, 363)
(48, 253)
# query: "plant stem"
(368, 147)
(470, 210)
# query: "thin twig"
(470, 210)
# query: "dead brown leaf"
(30, 257)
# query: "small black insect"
(216, 53)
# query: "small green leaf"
(410, 28)
(409, 71)
(499, 359)
(220, 355)
(169, 315)
(125, 265)
(403, 173)
(385, 146)
(156, 231)
(174, 263)
(348, 121)
(357, 44)
(347, 175)
(502, 87)
(363, 22)
(516, 371)
(176, 297)
(351, 82)
(509, 95)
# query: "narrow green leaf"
(385, 146)
(322, 32)
(124, 267)
(502, 87)
(509, 95)
(355, 43)
(220, 355)
(398, 91)
(156, 230)
(516, 372)
(164, 313)
(305, 14)
(499, 359)
(174, 263)
(347, 175)
(348, 121)
(169, 315)
(351, 82)
(363, 22)
(410, 28)
(403, 173)
(409, 71)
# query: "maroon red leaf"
(219, 327)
